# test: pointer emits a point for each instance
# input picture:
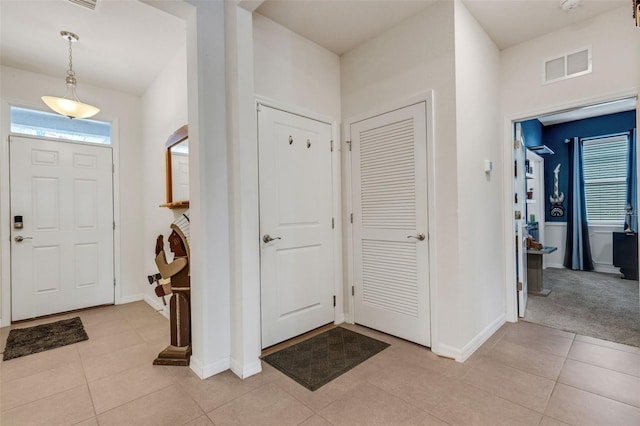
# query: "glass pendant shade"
(70, 105)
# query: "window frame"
(620, 137)
(39, 130)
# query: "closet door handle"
(419, 237)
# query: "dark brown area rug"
(30, 340)
(320, 359)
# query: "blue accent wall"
(532, 132)
(554, 137)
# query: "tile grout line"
(606, 368)
(86, 382)
(555, 382)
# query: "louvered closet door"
(389, 169)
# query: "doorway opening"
(587, 159)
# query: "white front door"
(296, 224)
(62, 257)
(390, 245)
(520, 184)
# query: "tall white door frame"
(61, 174)
(427, 98)
(336, 189)
(5, 252)
(511, 294)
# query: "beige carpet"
(588, 303)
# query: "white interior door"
(390, 247)
(296, 224)
(520, 186)
(62, 258)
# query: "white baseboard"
(129, 299)
(157, 306)
(208, 370)
(244, 371)
(448, 352)
(606, 268)
(463, 354)
(482, 337)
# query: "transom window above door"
(44, 124)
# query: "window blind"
(605, 178)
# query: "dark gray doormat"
(322, 358)
(30, 340)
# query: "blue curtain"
(577, 254)
(632, 182)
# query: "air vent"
(571, 65)
(89, 4)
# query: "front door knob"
(20, 238)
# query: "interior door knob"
(268, 238)
(20, 238)
(419, 237)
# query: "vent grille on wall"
(89, 4)
(570, 65)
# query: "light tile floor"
(524, 374)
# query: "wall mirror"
(177, 169)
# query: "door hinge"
(334, 300)
(258, 107)
(519, 286)
(353, 290)
(348, 143)
(331, 146)
(114, 282)
(333, 223)
(351, 217)
(114, 225)
(113, 168)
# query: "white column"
(243, 190)
(209, 186)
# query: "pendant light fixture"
(70, 105)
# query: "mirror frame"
(176, 137)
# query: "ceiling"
(341, 25)
(124, 43)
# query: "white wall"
(600, 239)
(24, 88)
(481, 302)
(293, 70)
(413, 57)
(164, 110)
(616, 61)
